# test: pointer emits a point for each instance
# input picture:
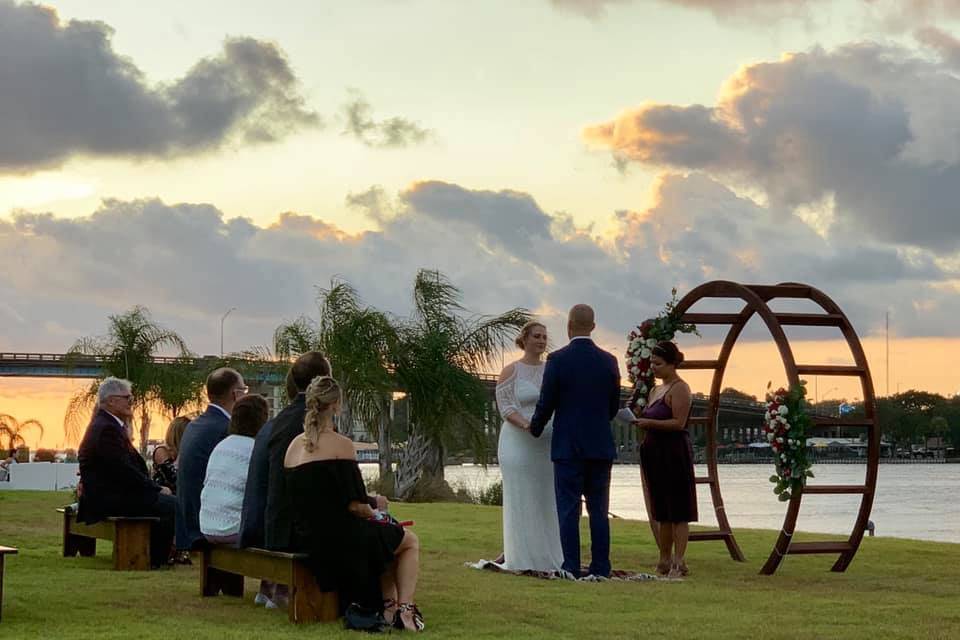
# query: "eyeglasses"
(126, 397)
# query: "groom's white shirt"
(580, 338)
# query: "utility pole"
(888, 352)
(221, 327)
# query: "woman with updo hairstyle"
(354, 547)
(531, 531)
(666, 457)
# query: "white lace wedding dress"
(531, 533)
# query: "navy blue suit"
(581, 390)
(199, 440)
(255, 493)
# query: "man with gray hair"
(113, 475)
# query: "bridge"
(63, 365)
(738, 419)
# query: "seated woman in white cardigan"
(221, 500)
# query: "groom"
(581, 384)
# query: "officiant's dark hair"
(525, 332)
(669, 352)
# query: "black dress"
(667, 461)
(347, 554)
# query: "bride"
(531, 533)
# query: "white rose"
(769, 437)
(783, 457)
(779, 439)
(766, 416)
(652, 342)
(784, 410)
(787, 426)
(781, 419)
(645, 353)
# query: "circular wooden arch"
(756, 299)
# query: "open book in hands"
(625, 417)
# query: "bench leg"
(131, 546)
(307, 602)
(213, 581)
(74, 545)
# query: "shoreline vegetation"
(895, 588)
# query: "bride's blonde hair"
(322, 393)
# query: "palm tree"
(358, 340)
(127, 351)
(13, 430)
(441, 349)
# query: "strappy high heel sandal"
(416, 615)
(664, 568)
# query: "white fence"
(42, 476)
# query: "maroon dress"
(667, 461)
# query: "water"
(913, 501)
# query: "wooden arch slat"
(755, 298)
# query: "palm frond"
(295, 338)
(79, 412)
(483, 339)
(435, 299)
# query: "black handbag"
(359, 618)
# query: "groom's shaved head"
(580, 321)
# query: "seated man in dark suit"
(114, 475)
(278, 514)
(255, 493)
(224, 387)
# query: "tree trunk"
(385, 443)
(144, 429)
(433, 465)
(410, 465)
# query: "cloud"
(867, 127)
(946, 45)
(887, 15)
(190, 262)
(391, 133)
(767, 10)
(67, 92)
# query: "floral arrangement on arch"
(640, 344)
(785, 426)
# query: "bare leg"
(388, 586)
(407, 569)
(666, 548)
(681, 533)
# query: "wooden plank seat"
(4, 552)
(224, 567)
(130, 536)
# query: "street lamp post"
(231, 309)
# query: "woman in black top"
(352, 549)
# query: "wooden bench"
(130, 536)
(224, 567)
(4, 552)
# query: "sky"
(196, 157)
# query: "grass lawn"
(894, 589)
